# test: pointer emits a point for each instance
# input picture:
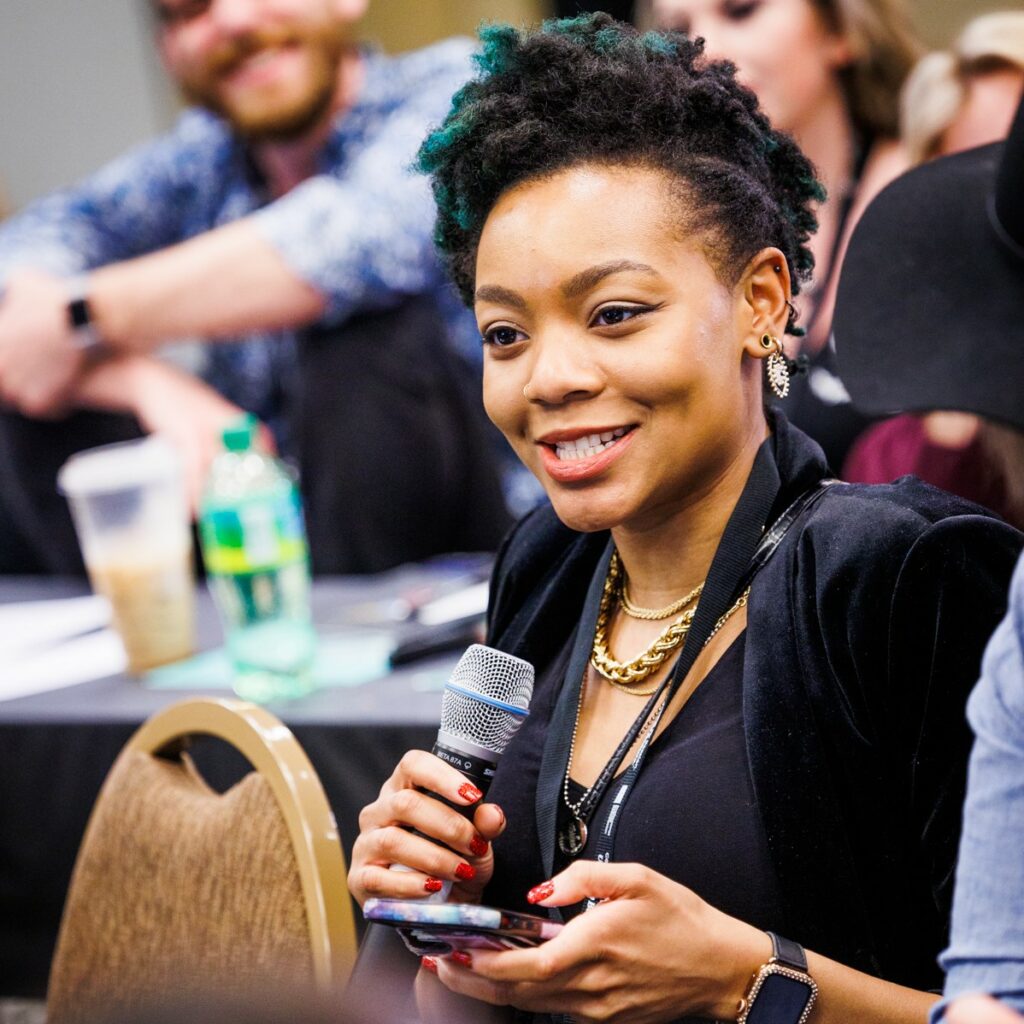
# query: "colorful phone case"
(438, 928)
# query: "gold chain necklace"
(631, 673)
(573, 839)
(626, 676)
(655, 614)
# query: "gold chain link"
(627, 675)
(656, 614)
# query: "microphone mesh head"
(495, 676)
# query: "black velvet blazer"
(865, 633)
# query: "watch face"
(780, 1000)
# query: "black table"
(56, 748)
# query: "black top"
(691, 816)
(864, 637)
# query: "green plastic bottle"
(257, 564)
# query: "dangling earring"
(776, 368)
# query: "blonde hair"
(885, 47)
(936, 89)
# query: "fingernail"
(540, 892)
(469, 792)
(433, 885)
(478, 846)
(461, 958)
(465, 872)
(429, 963)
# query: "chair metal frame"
(272, 750)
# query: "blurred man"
(282, 198)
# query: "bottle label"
(254, 535)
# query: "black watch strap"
(788, 953)
(83, 330)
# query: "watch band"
(785, 951)
(84, 335)
(764, 1003)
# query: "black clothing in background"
(620, 9)
(397, 461)
(692, 814)
(864, 637)
(818, 404)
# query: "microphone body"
(485, 701)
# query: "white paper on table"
(29, 625)
(66, 663)
(47, 645)
(463, 604)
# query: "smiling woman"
(633, 344)
(749, 709)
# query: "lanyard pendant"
(572, 837)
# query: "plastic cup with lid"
(130, 512)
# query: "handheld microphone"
(485, 701)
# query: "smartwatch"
(84, 335)
(782, 992)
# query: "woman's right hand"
(384, 836)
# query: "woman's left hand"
(651, 951)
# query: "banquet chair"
(178, 888)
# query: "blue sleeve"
(140, 202)
(986, 950)
(363, 237)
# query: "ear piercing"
(776, 367)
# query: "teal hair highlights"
(590, 89)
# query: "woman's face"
(784, 49)
(614, 357)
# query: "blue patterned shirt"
(360, 231)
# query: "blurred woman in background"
(954, 100)
(829, 73)
(965, 96)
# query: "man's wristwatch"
(782, 992)
(84, 335)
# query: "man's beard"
(270, 118)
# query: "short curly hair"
(593, 90)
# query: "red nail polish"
(465, 872)
(433, 885)
(469, 792)
(429, 963)
(540, 892)
(478, 846)
(461, 957)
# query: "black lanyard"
(766, 546)
(726, 579)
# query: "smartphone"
(436, 929)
